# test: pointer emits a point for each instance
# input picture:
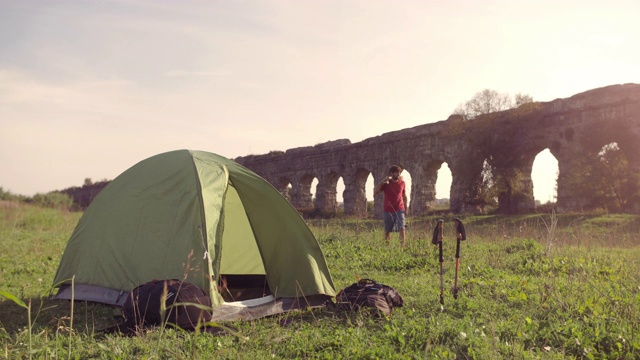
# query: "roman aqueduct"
(567, 127)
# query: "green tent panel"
(190, 215)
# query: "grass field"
(531, 287)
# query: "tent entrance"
(243, 287)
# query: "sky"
(90, 88)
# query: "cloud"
(18, 89)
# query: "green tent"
(196, 216)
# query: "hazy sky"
(89, 88)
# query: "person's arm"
(404, 201)
(378, 189)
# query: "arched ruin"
(512, 139)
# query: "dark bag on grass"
(371, 294)
(142, 309)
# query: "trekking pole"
(460, 235)
(437, 239)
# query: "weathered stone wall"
(512, 139)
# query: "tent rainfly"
(199, 217)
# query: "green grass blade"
(14, 299)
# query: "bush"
(8, 196)
(53, 200)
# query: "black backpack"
(142, 309)
(371, 294)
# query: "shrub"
(8, 196)
(53, 200)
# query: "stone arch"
(424, 176)
(514, 186)
(544, 170)
(611, 162)
(301, 197)
(589, 142)
(340, 194)
(418, 189)
(513, 138)
(631, 151)
(284, 186)
(326, 193)
(408, 179)
(313, 190)
(355, 198)
(443, 180)
(466, 178)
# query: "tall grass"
(567, 289)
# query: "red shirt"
(393, 196)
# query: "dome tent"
(196, 216)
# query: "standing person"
(395, 202)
